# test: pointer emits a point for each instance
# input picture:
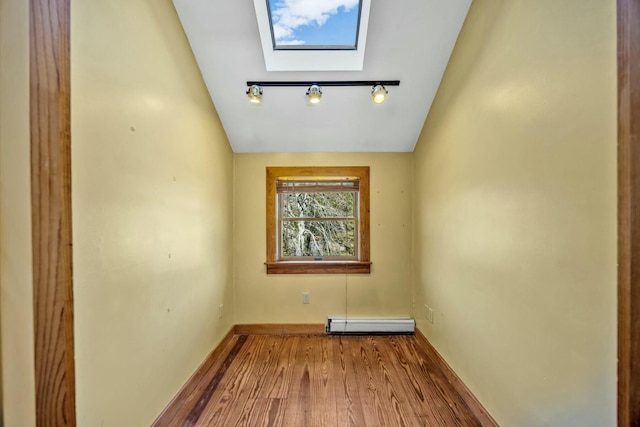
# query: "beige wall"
(152, 211)
(16, 311)
(515, 218)
(262, 298)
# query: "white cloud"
(282, 33)
(288, 15)
(292, 42)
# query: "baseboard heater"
(348, 325)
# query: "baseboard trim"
(173, 407)
(280, 329)
(472, 402)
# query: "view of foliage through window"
(318, 224)
(318, 220)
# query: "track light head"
(255, 94)
(314, 93)
(379, 94)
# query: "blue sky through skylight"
(314, 23)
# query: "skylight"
(314, 24)
(313, 35)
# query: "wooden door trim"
(50, 127)
(628, 213)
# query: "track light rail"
(325, 83)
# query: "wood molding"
(274, 265)
(50, 123)
(628, 213)
(325, 267)
(472, 402)
(181, 401)
(281, 329)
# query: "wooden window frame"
(326, 266)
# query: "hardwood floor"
(317, 380)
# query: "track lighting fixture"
(255, 94)
(379, 94)
(314, 93)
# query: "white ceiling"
(408, 40)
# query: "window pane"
(318, 238)
(318, 205)
(314, 24)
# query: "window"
(310, 24)
(313, 35)
(318, 220)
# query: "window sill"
(319, 267)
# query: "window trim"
(330, 266)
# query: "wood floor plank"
(193, 417)
(324, 402)
(466, 396)
(316, 380)
(417, 387)
(256, 388)
(402, 415)
(376, 408)
(344, 386)
(423, 394)
(232, 394)
(446, 396)
(278, 387)
(438, 389)
(298, 403)
(180, 407)
(267, 412)
(408, 396)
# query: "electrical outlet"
(220, 311)
(428, 312)
(306, 298)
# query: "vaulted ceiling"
(410, 41)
